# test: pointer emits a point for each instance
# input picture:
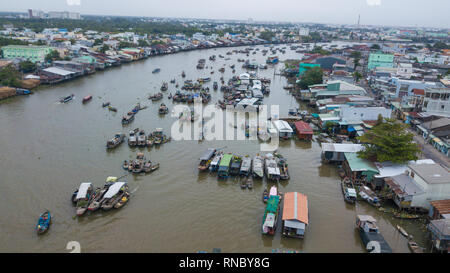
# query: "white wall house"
(348, 113)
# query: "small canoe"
(265, 196)
(402, 231)
(43, 222)
(87, 98)
(250, 182)
(414, 247)
(243, 184)
(105, 104)
(110, 108)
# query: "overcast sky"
(430, 13)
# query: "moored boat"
(235, 165)
(246, 166)
(269, 223)
(265, 196)
(283, 166)
(271, 168)
(414, 247)
(206, 159)
(370, 235)
(114, 194)
(224, 166)
(141, 139)
(295, 215)
(368, 195)
(214, 165)
(163, 109)
(348, 191)
(132, 138)
(84, 197)
(98, 199)
(258, 167)
(249, 182)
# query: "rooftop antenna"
(359, 19)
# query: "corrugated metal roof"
(295, 207)
(442, 206)
(342, 148)
(358, 164)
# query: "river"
(48, 149)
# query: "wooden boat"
(163, 109)
(67, 99)
(127, 119)
(164, 86)
(224, 166)
(98, 199)
(115, 141)
(156, 70)
(44, 222)
(249, 182)
(215, 86)
(122, 201)
(156, 97)
(269, 223)
(271, 168)
(402, 231)
(114, 194)
(414, 247)
(183, 74)
(206, 159)
(235, 165)
(348, 191)
(125, 165)
(137, 166)
(283, 166)
(132, 138)
(84, 197)
(265, 196)
(141, 139)
(258, 167)
(246, 166)
(214, 165)
(150, 168)
(243, 184)
(105, 104)
(368, 195)
(369, 233)
(110, 108)
(87, 98)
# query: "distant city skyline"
(406, 13)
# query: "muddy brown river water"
(48, 149)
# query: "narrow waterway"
(48, 149)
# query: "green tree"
(142, 43)
(375, 47)
(267, 35)
(27, 66)
(52, 56)
(104, 48)
(98, 42)
(312, 76)
(357, 76)
(9, 76)
(389, 141)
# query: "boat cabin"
(269, 224)
(84, 191)
(224, 166)
(295, 214)
(206, 159)
(304, 131)
(370, 235)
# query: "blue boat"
(43, 222)
(156, 70)
(67, 99)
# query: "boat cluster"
(140, 165)
(112, 195)
(273, 166)
(138, 138)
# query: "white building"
(437, 101)
(356, 114)
(404, 70)
(303, 31)
(283, 128)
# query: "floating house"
(283, 128)
(334, 152)
(358, 169)
(304, 131)
(295, 214)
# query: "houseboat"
(206, 159)
(235, 167)
(246, 166)
(367, 194)
(295, 214)
(114, 194)
(348, 191)
(370, 235)
(224, 166)
(269, 223)
(258, 167)
(271, 168)
(283, 166)
(214, 166)
(141, 139)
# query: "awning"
(114, 189)
(82, 190)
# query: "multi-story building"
(380, 60)
(437, 101)
(32, 53)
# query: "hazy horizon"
(404, 13)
